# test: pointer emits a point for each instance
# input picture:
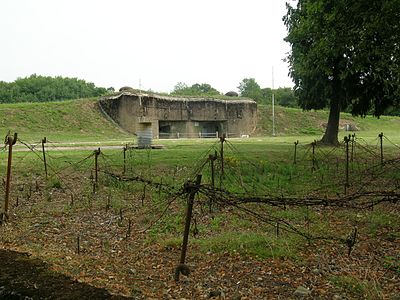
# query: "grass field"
(130, 230)
(81, 121)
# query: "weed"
(392, 263)
(252, 244)
(359, 288)
(54, 183)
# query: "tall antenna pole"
(273, 104)
(140, 92)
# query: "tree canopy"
(36, 88)
(196, 89)
(249, 88)
(345, 55)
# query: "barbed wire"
(244, 182)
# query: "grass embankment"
(82, 121)
(66, 121)
(293, 121)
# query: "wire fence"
(352, 176)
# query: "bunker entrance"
(191, 129)
(171, 129)
(210, 129)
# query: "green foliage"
(249, 88)
(286, 97)
(283, 96)
(204, 89)
(36, 88)
(266, 95)
(345, 54)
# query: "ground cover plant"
(271, 224)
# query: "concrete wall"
(189, 116)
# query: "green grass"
(76, 120)
(295, 122)
(264, 165)
(358, 288)
(81, 121)
(251, 243)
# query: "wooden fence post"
(96, 168)
(124, 149)
(10, 141)
(222, 140)
(182, 268)
(212, 158)
(381, 140)
(347, 140)
(295, 152)
(313, 144)
(44, 141)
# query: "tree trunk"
(332, 129)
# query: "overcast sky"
(157, 42)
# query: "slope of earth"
(81, 120)
(293, 121)
(66, 121)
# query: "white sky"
(159, 42)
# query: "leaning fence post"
(347, 140)
(313, 144)
(182, 268)
(44, 141)
(222, 140)
(124, 149)
(212, 158)
(96, 168)
(381, 139)
(10, 141)
(295, 152)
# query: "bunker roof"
(136, 93)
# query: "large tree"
(37, 88)
(249, 88)
(344, 55)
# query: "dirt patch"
(22, 277)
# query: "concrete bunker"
(173, 117)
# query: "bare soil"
(23, 277)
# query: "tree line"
(248, 88)
(36, 88)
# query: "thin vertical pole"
(125, 148)
(96, 168)
(10, 142)
(189, 211)
(353, 136)
(222, 140)
(44, 140)
(295, 152)
(346, 140)
(313, 144)
(381, 139)
(212, 158)
(273, 104)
